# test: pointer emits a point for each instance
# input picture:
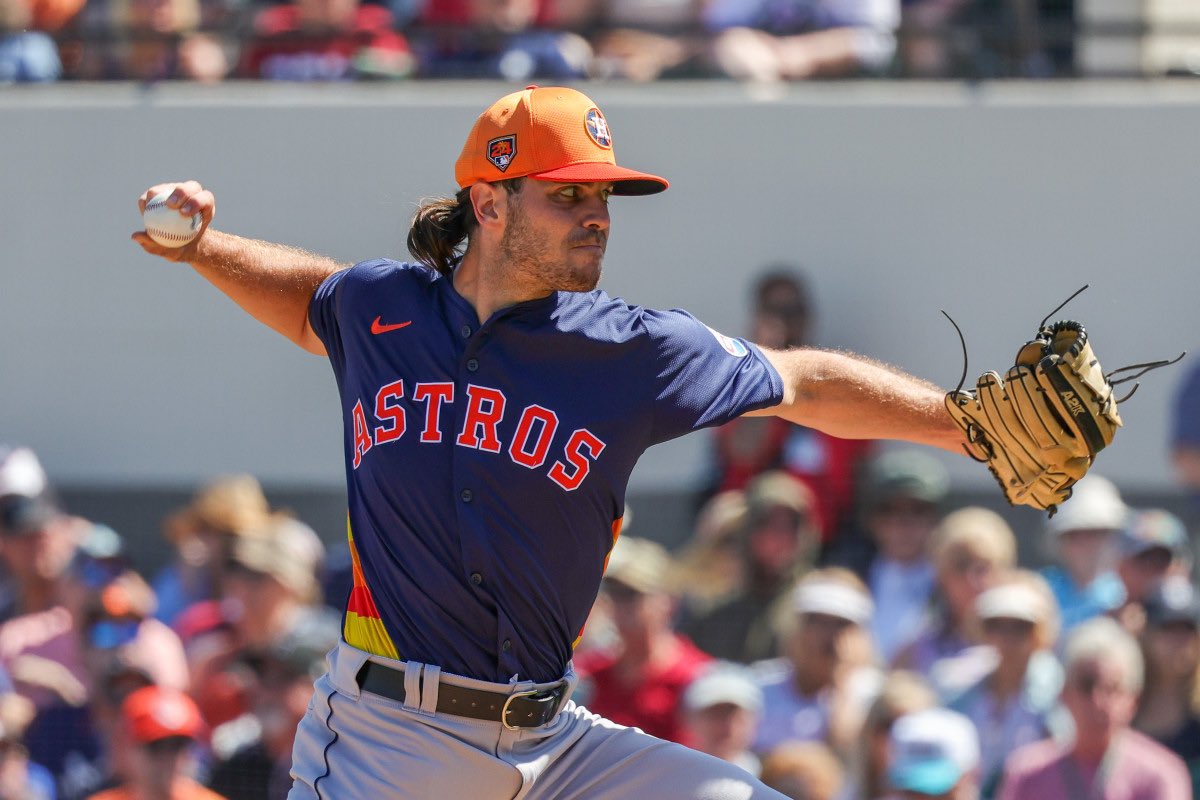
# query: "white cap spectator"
(1096, 504)
(21, 473)
(834, 599)
(932, 751)
(1011, 601)
(724, 683)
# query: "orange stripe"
(364, 629)
(616, 534)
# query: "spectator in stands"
(803, 771)
(270, 579)
(638, 40)
(779, 540)
(1185, 440)
(1169, 710)
(798, 40)
(903, 495)
(123, 648)
(202, 535)
(820, 690)
(1107, 759)
(1016, 702)
(326, 40)
(222, 684)
(721, 709)
(934, 754)
(640, 681)
(20, 777)
(970, 547)
(26, 56)
(24, 498)
(254, 755)
(161, 727)
(987, 40)
(710, 564)
(497, 39)
(1085, 530)
(782, 317)
(40, 646)
(158, 40)
(901, 693)
(1153, 546)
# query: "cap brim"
(625, 181)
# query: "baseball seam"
(168, 235)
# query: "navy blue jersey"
(486, 465)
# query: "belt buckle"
(527, 693)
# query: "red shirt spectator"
(640, 681)
(297, 43)
(649, 700)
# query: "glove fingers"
(1003, 421)
(1026, 395)
(1015, 463)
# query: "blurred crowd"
(522, 40)
(834, 623)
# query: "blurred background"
(842, 171)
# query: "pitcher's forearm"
(272, 282)
(855, 398)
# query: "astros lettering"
(486, 409)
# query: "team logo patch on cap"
(502, 150)
(732, 346)
(597, 128)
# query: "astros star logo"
(597, 128)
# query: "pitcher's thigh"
(611, 762)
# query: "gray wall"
(992, 202)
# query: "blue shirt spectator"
(29, 57)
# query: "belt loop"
(429, 689)
(345, 662)
(412, 685)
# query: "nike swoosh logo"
(378, 327)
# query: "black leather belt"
(528, 709)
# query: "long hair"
(442, 227)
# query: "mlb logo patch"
(597, 128)
(501, 151)
(732, 346)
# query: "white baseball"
(166, 225)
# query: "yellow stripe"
(365, 632)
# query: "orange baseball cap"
(156, 712)
(549, 133)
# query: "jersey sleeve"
(323, 311)
(704, 378)
(340, 294)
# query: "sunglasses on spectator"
(1156, 558)
(965, 564)
(906, 508)
(1088, 682)
(168, 746)
(1006, 626)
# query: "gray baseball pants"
(355, 745)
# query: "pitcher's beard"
(526, 253)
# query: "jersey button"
(466, 331)
(472, 364)
(507, 645)
(466, 495)
(476, 578)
